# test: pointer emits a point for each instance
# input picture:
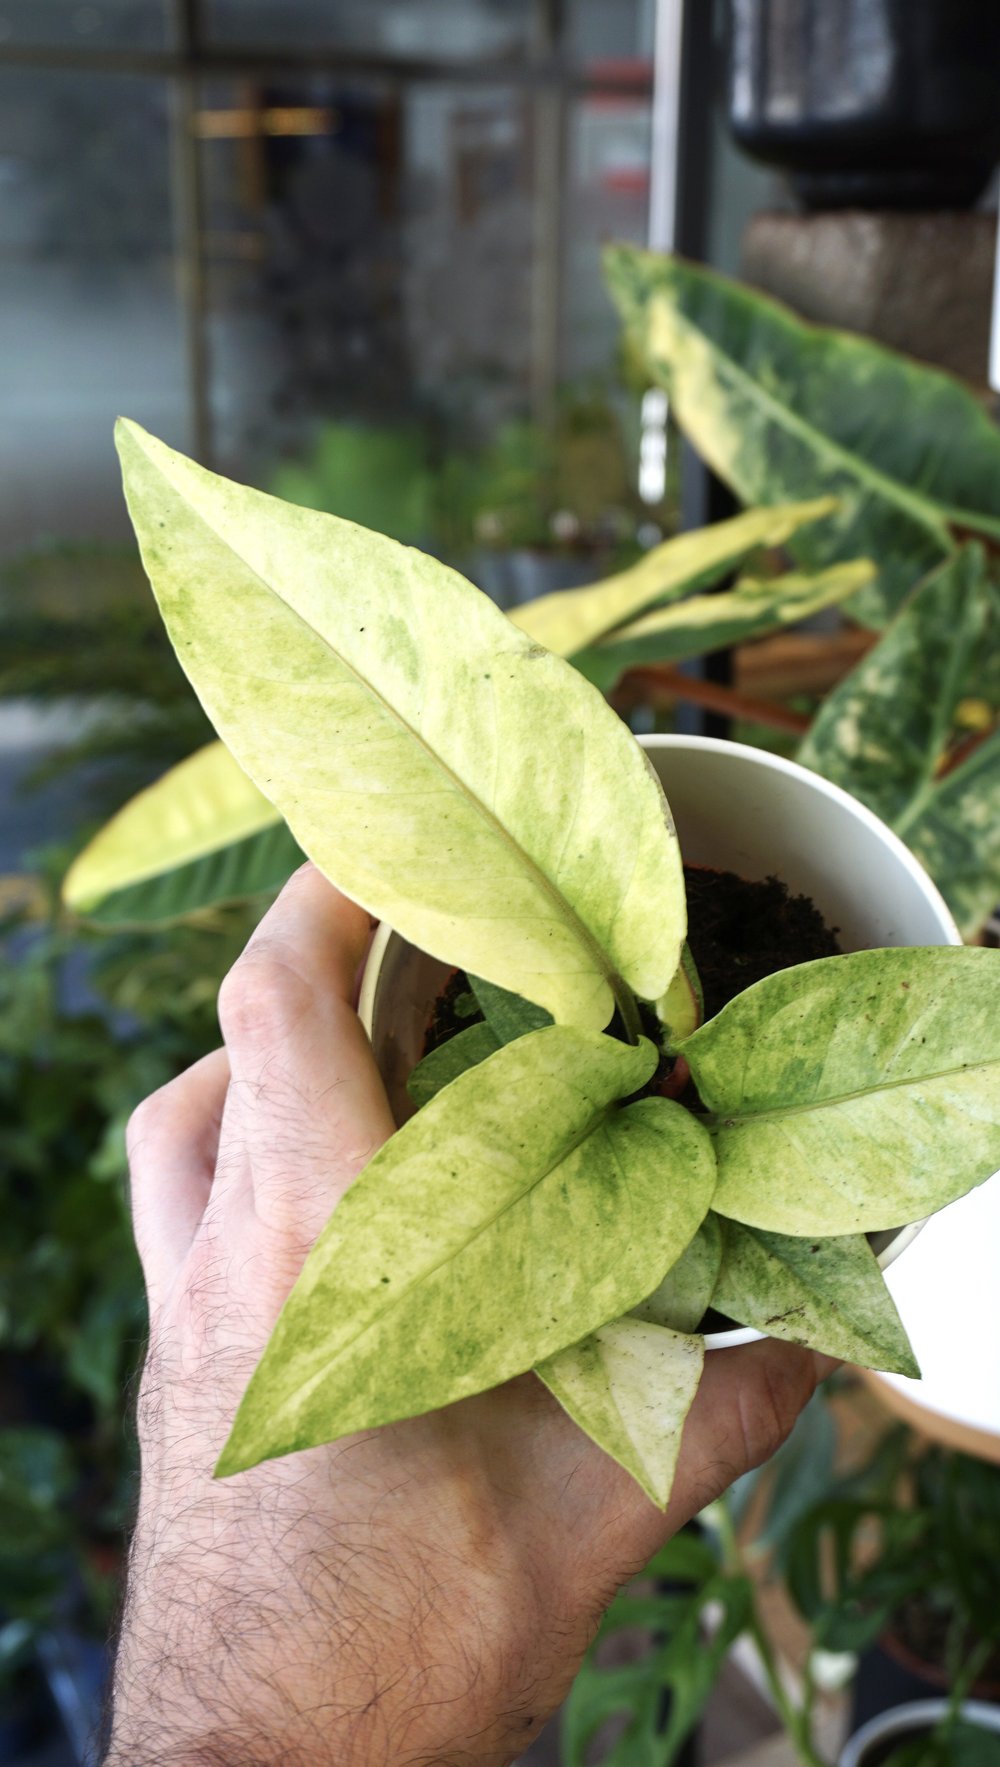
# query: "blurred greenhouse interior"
(349, 252)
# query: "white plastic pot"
(905, 1722)
(737, 809)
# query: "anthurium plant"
(458, 778)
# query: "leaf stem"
(628, 1010)
(797, 1720)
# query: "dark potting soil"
(739, 932)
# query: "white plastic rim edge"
(900, 1719)
(744, 1334)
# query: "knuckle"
(145, 1121)
(261, 996)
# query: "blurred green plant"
(566, 486)
(902, 1543)
(72, 1314)
(78, 625)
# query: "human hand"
(423, 1593)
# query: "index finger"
(306, 1107)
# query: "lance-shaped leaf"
(683, 1297)
(571, 619)
(781, 409)
(957, 836)
(882, 731)
(751, 609)
(404, 729)
(203, 834)
(855, 1093)
(517, 1212)
(828, 1294)
(444, 1064)
(630, 1386)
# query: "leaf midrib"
(582, 932)
(595, 1124)
(716, 1120)
(922, 511)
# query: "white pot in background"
(904, 1723)
(737, 809)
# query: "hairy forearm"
(235, 1685)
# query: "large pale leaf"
(518, 1211)
(438, 765)
(751, 609)
(828, 1294)
(957, 836)
(683, 1297)
(856, 1093)
(571, 619)
(630, 1385)
(781, 409)
(203, 834)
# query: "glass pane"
(370, 257)
(607, 199)
(463, 29)
(84, 24)
(89, 322)
(607, 35)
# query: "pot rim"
(744, 1334)
(899, 1719)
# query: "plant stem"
(797, 1721)
(629, 1012)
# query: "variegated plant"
(454, 774)
(781, 408)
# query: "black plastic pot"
(869, 103)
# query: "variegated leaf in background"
(200, 836)
(753, 608)
(571, 619)
(884, 731)
(781, 409)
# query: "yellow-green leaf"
(856, 1093)
(779, 409)
(630, 1386)
(828, 1294)
(571, 619)
(403, 727)
(751, 609)
(202, 834)
(518, 1211)
(683, 1297)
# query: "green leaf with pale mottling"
(781, 409)
(201, 835)
(463, 1051)
(630, 1386)
(684, 1296)
(856, 1093)
(884, 731)
(403, 727)
(571, 619)
(957, 836)
(753, 608)
(507, 1014)
(828, 1294)
(516, 1213)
